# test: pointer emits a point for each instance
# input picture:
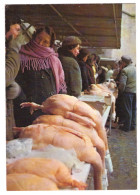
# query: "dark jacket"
(84, 74)
(72, 74)
(12, 89)
(101, 77)
(91, 79)
(36, 86)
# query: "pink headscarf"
(40, 58)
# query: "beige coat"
(12, 89)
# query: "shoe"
(123, 129)
(133, 129)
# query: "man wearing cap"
(127, 86)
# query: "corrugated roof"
(98, 25)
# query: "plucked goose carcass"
(106, 89)
(71, 108)
(61, 121)
(66, 138)
(48, 168)
(29, 182)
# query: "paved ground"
(122, 146)
(124, 158)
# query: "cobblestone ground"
(122, 146)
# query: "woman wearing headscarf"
(67, 54)
(41, 74)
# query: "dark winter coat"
(101, 77)
(72, 74)
(91, 78)
(84, 74)
(36, 86)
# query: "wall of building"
(128, 35)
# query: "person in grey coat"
(127, 86)
(67, 54)
(11, 69)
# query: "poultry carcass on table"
(105, 89)
(71, 108)
(67, 138)
(90, 132)
(48, 168)
(29, 182)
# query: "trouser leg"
(119, 109)
(127, 107)
(133, 122)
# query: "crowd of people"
(36, 71)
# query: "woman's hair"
(49, 30)
(83, 52)
(91, 58)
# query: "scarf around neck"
(37, 57)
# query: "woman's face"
(43, 39)
(75, 50)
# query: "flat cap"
(126, 59)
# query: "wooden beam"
(68, 22)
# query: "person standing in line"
(11, 67)
(82, 58)
(102, 76)
(98, 62)
(127, 86)
(116, 69)
(40, 76)
(89, 64)
(109, 74)
(68, 57)
(119, 109)
(98, 67)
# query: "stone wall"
(128, 35)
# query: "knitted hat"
(126, 59)
(71, 40)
